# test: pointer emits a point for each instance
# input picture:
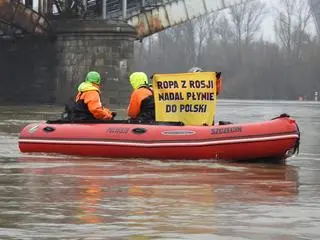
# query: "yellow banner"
(185, 97)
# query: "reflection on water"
(143, 198)
(52, 196)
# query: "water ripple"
(51, 196)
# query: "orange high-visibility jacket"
(91, 98)
(136, 100)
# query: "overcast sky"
(267, 28)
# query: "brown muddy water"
(66, 197)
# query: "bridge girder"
(172, 13)
(146, 16)
(15, 16)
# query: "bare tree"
(204, 33)
(252, 68)
(291, 24)
(242, 24)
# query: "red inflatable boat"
(276, 139)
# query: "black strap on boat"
(129, 121)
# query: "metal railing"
(106, 9)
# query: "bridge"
(83, 34)
(146, 16)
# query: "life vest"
(142, 106)
(78, 110)
(147, 110)
(87, 104)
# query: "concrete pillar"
(49, 72)
(27, 70)
(106, 47)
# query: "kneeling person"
(141, 106)
(87, 104)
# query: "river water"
(62, 197)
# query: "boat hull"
(276, 138)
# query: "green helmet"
(138, 79)
(93, 77)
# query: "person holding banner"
(141, 106)
(219, 78)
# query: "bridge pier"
(38, 71)
(94, 45)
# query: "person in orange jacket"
(219, 78)
(141, 106)
(87, 104)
